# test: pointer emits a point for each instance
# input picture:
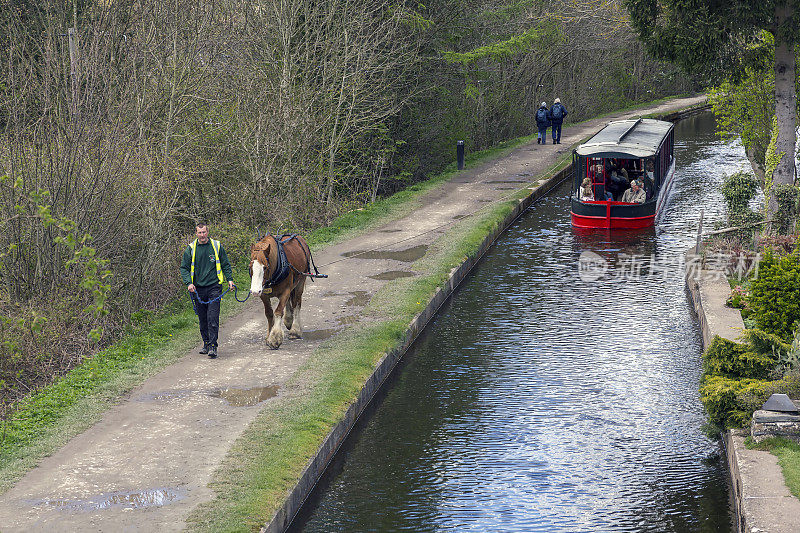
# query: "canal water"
(558, 389)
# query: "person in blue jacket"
(557, 114)
(542, 122)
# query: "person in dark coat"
(616, 184)
(542, 122)
(557, 114)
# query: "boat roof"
(627, 139)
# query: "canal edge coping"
(760, 499)
(383, 369)
(317, 465)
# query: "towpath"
(147, 463)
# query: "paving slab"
(147, 463)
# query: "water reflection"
(539, 401)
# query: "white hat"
(544, 104)
(557, 101)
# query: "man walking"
(557, 114)
(542, 122)
(202, 268)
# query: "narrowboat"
(626, 154)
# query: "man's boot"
(204, 349)
(212, 352)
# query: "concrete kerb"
(317, 465)
(760, 500)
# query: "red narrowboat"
(622, 175)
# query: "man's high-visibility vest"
(215, 246)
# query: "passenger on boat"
(634, 195)
(542, 123)
(616, 184)
(596, 173)
(648, 180)
(650, 171)
(618, 168)
(586, 189)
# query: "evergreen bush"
(724, 399)
(730, 402)
(736, 361)
(775, 294)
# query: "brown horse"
(265, 274)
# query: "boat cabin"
(622, 175)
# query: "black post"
(460, 154)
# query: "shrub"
(738, 189)
(733, 360)
(775, 294)
(726, 399)
(750, 399)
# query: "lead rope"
(193, 296)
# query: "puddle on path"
(484, 200)
(122, 499)
(319, 334)
(245, 397)
(393, 274)
(390, 231)
(504, 188)
(506, 181)
(409, 255)
(459, 217)
(360, 298)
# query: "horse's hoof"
(293, 335)
(273, 345)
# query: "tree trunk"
(785, 104)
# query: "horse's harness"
(284, 267)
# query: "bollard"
(460, 154)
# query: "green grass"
(788, 454)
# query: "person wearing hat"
(557, 114)
(634, 195)
(542, 122)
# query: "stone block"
(767, 424)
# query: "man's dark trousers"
(208, 314)
(556, 132)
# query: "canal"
(548, 397)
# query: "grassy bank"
(253, 483)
